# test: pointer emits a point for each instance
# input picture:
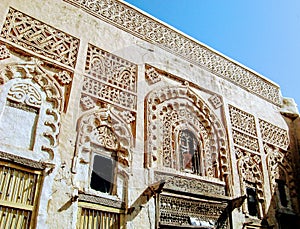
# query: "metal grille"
(97, 219)
(18, 195)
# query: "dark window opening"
(189, 152)
(282, 193)
(252, 201)
(103, 174)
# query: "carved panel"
(180, 212)
(104, 128)
(152, 75)
(110, 79)
(216, 101)
(101, 200)
(245, 140)
(147, 28)
(35, 73)
(25, 93)
(171, 109)
(273, 134)
(190, 185)
(40, 38)
(242, 121)
(249, 166)
(280, 167)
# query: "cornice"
(151, 30)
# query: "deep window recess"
(189, 152)
(102, 178)
(282, 193)
(252, 201)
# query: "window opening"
(252, 201)
(102, 177)
(189, 152)
(282, 192)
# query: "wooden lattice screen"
(92, 216)
(19, 191)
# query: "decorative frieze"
(191, 185)
(101, 200)
(242, 121)
(245, 141)
(178, 211)
(273, 134)
(40, 38)
(148, 29)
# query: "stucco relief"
(29, 86)
(170, 110)
(251, 176)
(142, 26)
(281, 168)
(274, 135)
(40, 38)
(178, 211)
(103, 132)
(110, 79)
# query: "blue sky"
(263, 35)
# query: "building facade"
(113, 119)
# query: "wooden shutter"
(19, 191)
(93, 216)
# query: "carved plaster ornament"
(278, 166)
(173, 109)
(152, 75)
(4, 52)
(104, 128)
(148, 29)
(40, 38)
(249, 168)
(26, 93)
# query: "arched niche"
(103, 136)
(170, 110)
(30, 104)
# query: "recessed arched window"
(189, 152)
(252, 201)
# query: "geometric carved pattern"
(40, 38)
(243, 129)
(4, 52)
(190, 185)
(216, 101)
(110, 79)
(178, 211)
(101, 200)
(242, 121)
(172, 109)
(273, 134)
(146, 28)
(245, 140)
(152, 75)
